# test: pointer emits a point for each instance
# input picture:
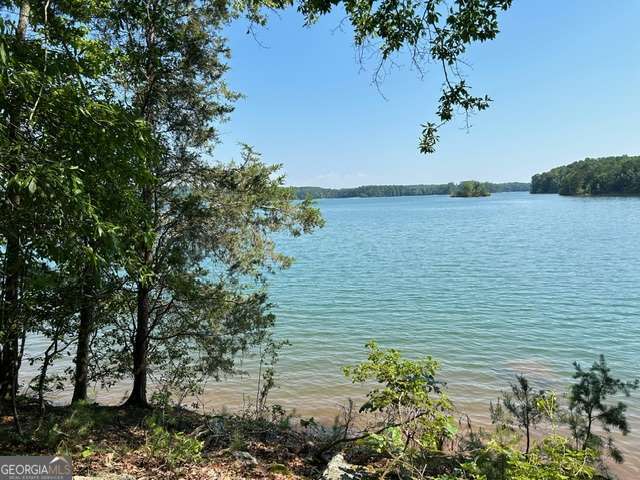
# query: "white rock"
(245, 457)
(339, 469)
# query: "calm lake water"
(513, 283)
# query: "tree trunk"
(87, 311)
(10, 324)
(138, 395)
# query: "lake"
(513, 283)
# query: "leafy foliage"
(433, 30)
(592, 176)
(64, 195)
(171, 448)
(72, 434)
(470, 188)
(551, 459)
(415, 408)
(111, 195)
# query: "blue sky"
(564, 77)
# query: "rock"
(339, 469)
(245, 457)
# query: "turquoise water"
(490, 286)
(513, 283)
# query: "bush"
(416, 409)
(551, 459)
(172, 448)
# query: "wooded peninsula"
(592, 176)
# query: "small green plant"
(390, 442)
(588, 406)
(88, 451)
(281, 417)
(172, 448)
(237, 441)
(71, 434)
(551, 459)
(521, 408)
(412, 402)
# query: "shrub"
(553, 458)
(172, 448)
(412, 402)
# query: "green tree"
(592, 176)
(470, 188)
(63, 142)
(170, 74)
(588, 406)
(522, 404)
(48, 111)
(13, 41)
(207, 225)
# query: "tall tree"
(12, 268)
(51, 106)
(197, 212)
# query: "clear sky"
(564, 76)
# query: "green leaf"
(87, 452)
(32, 185)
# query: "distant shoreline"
(379, 191)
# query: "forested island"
(403, 190)
(592, 176)
(470, 188)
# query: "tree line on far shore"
(592, 176)
(403, 190)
